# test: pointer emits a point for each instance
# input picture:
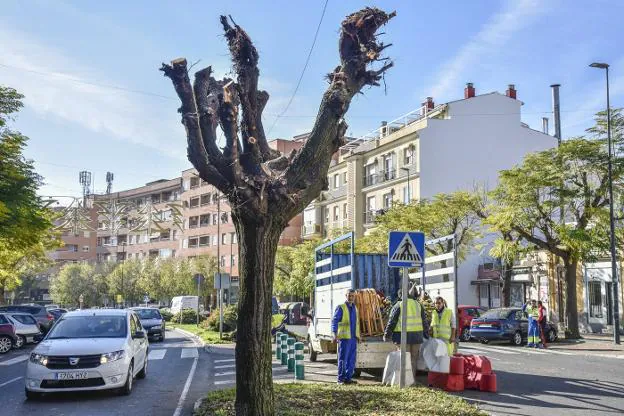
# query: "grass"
(210, 337)
(324, 399)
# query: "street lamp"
(614, 278)
(409, 189)
(123, 251)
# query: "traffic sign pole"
(403, 327)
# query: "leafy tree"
(265, 188)
(73, 280)
(529, 199)
(294, 269)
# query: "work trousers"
(533, 336)
(347, 350)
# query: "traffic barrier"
(454, 382)
(457, 365)
(435, 379)
(299, 368)
(284, 356)
(291, 354)
(488, 383)
(278, 346)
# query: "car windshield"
(496, 314)
(24, 319)
(89, 327)
(148, 314)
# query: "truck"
(183, 302)
(337, 268)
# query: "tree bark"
(507, 284)
(571, 310)
(258, 240)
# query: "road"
(169, 376)
(550, 382)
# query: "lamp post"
(409, 189)
(123, 251)
(614, 277)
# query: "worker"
(443, 324)
(346, 332)
(541, 323)
(533, 315)
(416, 328)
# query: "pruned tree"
(265, 188)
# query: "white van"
(183, 302)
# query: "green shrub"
(189, 316)
(166, 314)
(230, 315)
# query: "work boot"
(531, 345)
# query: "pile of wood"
(369, 305)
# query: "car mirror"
(139, 334)
(38, 338)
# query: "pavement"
(170, 374)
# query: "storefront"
(598, 295)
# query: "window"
(205, 199)
(388, 162)
(99, 242)
(326, 215)
(133, 325)
(336, 213)
(222, 261)
(85, 248)
(204, 240)
(166, 196)
(344, 178)
(370, 177)
(224, 238)
(344, 211)
(224, 218)
(233, 238)
(193, 242)
(215, 240)
(595, 299)
(406, 195)
(87, 234)
(387, 200)
(371, 204)
(72, 247)
(101, 225)
(232, 260)
(194, 182)
(336, 181)
(204, 220)
(408, 156)
(194, 202)
(214, 219)
(193, 222)
(155, 198)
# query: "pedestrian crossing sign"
(406, 249)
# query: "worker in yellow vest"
(346, 330)
(443, 324)
(416, 328)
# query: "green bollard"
(299, 369)
(278, 345)
(291, 355)
(284, 356)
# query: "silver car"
(26, 327)
(89, 350)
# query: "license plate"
(78, 375)
(485, 326)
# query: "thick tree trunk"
(571, 308)
(507, 284)
(258, 239)
(1, 294)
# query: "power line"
(305, 66)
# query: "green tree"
(529, 199)
(74, 280)
(294, 269)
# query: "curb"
(194, 337)
(197, 404)
(219, 348)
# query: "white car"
(26, 327)
(89, 350)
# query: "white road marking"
(189, 353)
(489, 349)
(157, 354)
(187, 385)
(225, 366)
(10, 381)
(224, 382)
(225, 373)
(229, 360)
(15, 360)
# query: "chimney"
(469, 91)
(384, 129)
(511, 91)
(427, 105)
(545, 125)
(556, 111)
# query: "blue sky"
(438, 47)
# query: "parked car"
(465, 314)
(152, 322)
(57, 313)
(297, 313)
(7, 335)
(274, 306)
(26, 327)
(89, 350)
(506, 324)
(44, 319)
(48, 307)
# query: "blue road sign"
(406, 249)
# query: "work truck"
(338, 268)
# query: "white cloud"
(492, 35)
(120, 114)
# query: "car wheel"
(484, 341)
(32, 395)
(127, 388)
(465, 335)
(20, 341)
(517, 339)
(143, 371)
(5, 344)
(162, 336)
(552, 336)
(313, 354)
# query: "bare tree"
(265, 188)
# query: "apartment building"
(435, 148)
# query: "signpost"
(80, 300)
(221, 281)
(405, 249)
(199, 278)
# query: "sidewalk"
(592, 344)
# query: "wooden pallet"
(369, 306)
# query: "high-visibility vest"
(441, 325)
(344, 326)
(414, 320)
(532, 312)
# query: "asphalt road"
(170, 365)
(549, 382)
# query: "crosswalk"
(474, 348)
(160, 353)
(225, 372)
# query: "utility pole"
(219, 267)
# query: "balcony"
(489, 271)
(369, 216)
(310, 230)
(336, 192)
(381, 177)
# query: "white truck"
(183, 302)
(334, 274)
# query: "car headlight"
(39, 359)
(112, 356)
